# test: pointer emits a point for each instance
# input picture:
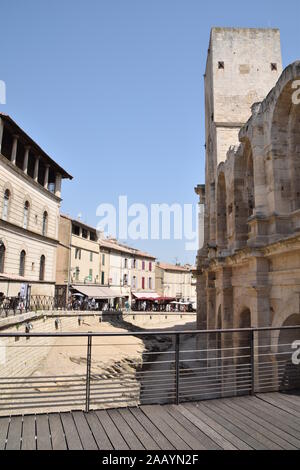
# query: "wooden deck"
(268, 421)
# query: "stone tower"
(243, 65)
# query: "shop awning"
(166, 299)
(146, 295)
(98, 292)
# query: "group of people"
(151, 306)
(13, 304)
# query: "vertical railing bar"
(177, 368)
(88, 373)
(252, 363)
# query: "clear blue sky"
(113, 90)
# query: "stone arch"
(288, 371)
(285, 144)
(287, 337)
(294, 155)
(244, 200)
(221, 212)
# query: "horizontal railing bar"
(210, 368)
(207, 379)
(214, 350)
(214, 359)
(127, 386)
(143, 334)
(279, 345)
(216, 393)
(223, 385)
(285, 353)
(55, 377)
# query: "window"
(143, 265)
(45, 223)
(273, 67)
(42, 268)
(6, 204)
(91, 275)
(102, 278)
(22, 263)
(75, 230)
(133, 265)
(143, 283)
(150, 266)
(26, 215)
(150, 282)
(103, 260)
(77, 272)
(125, 263)
(91, 256)
(77, 253)
(2, 257)
(133, 283)
(125, 280)
(221, 65)
(84, 233)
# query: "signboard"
(23, 291)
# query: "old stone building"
(248, 270)
(175, 282)
(30, 197)
(128, 269)
(100, 267)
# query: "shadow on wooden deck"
(264, 421)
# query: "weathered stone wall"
(23, 356)
(251, 257)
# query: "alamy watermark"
(296, 354)
(296, 94)
(2, 92)
(157, 222)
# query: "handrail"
(204, 370)
(147, 333)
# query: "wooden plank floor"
(266, 421)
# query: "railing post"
(177, 369)
(252, 353)
(88, 373)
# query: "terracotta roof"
(115, 245)
(18, 130)
(174, 267)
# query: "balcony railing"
(65, 371)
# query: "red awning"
(166, 299)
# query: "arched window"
(22, 263)
(45, 223)
(2, 257)
(42, 268)
(6, 204)
(26, 215)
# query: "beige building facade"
(127, 268)
(30, 197)
(78, 256)
(175, 282)
(248, 270)
(86, 259)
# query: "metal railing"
(66, 371)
